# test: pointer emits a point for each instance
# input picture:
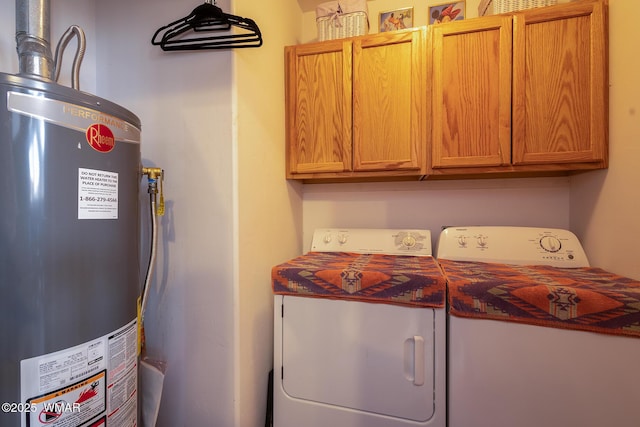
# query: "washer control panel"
(368, 240)
(512, 245)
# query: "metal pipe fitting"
(32, 38)
(155, 176)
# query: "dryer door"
(377, 358)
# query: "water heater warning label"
(97, 194)
(92, 384)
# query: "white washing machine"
(518, 373)
(360, 332)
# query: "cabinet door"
(560, 84)
(318, 102)
(389, 109)
(471, 93)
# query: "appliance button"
(409, 241)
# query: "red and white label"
(93, 384)
(100, 138)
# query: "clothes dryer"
(360, 332)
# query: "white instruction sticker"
(92, 384)
(97, 194)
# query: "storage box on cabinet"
(492, 7)
(340, 19)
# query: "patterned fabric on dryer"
(391, 279)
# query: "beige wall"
(431, 205)
(605, 206)
(268, 208)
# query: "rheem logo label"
(100, 138)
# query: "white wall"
(214, 120)
(72, 12)
(8, 56)
(605, 206)
(431, 205)
(184, 100)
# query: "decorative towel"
(588, 299)
(390, 279)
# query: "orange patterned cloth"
(589, 299)
(391, 279)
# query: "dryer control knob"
(342, 239)
(327, 238)
(409, 241)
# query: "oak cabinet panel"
(471, 92)
(319, 104)
(521, 92)
(388, 88)
(560, 85)
(356, 107)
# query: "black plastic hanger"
(186, 33)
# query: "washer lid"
(375, 358)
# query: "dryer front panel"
(376, 358)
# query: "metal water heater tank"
(69, 257)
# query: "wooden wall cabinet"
(356, 108)
(521, 93)
(503, 95)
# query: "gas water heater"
(69, 251)
(69, 254)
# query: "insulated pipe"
(32, 38)
(77, 60)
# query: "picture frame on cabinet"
(396, 19)
(447, 12)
